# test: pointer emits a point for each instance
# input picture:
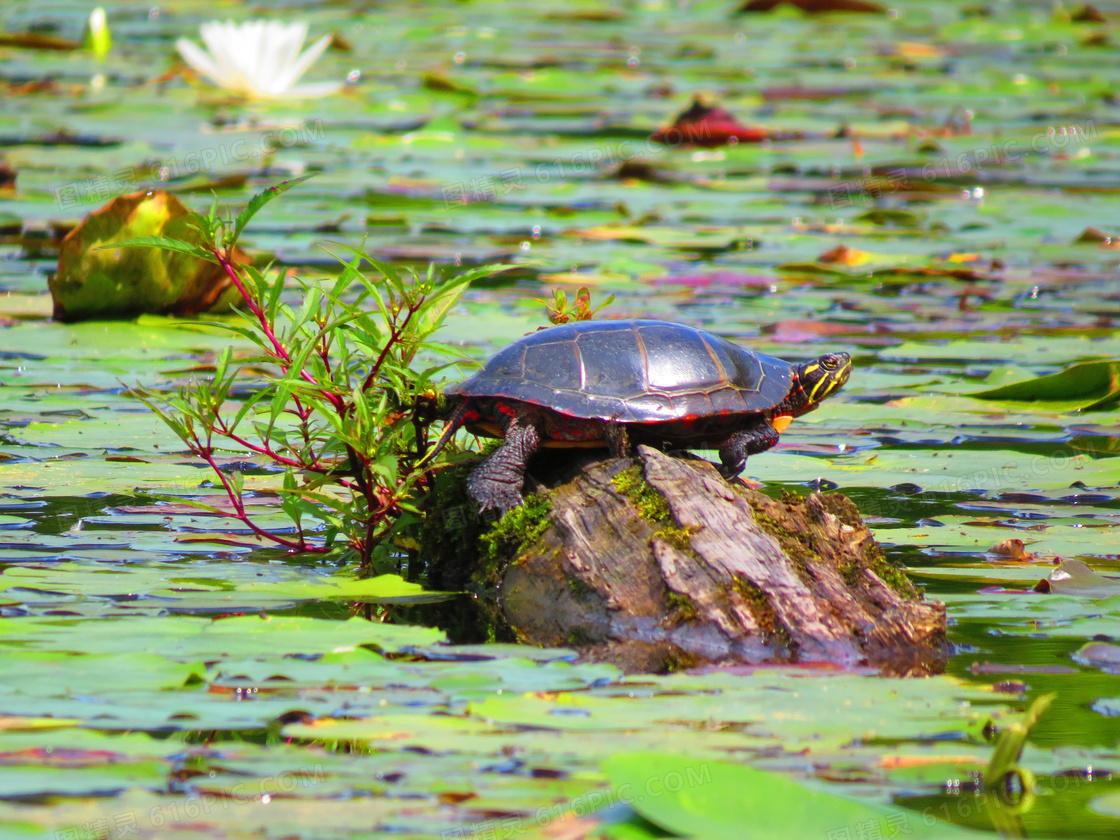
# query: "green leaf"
(1009, 750)
(260, 200)
(716, 800)
(165, 243)
(1096, 383)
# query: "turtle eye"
(830, 362)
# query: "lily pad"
(713, 799)
(98, 279)
(1096, 385)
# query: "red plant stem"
(204, 452)
(278, 348)
(394, 337)
(378, 502)
(220, 425)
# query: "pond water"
(956, 151)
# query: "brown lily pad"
(708, 126)
(1095, 236)
(1088, 14)
(37, 41)
(816, 7)
(1011, 550)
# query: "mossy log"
(657, 562)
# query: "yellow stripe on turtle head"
(827, 380)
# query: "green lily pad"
(714, 799)
(1095, 385)
(98, 279)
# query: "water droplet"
(633, 61)
(354, 76)
(458, 259)
(525, 246)
(265, 798)
(978, 192)
(460, 57)
(536, 231)
(153, 14)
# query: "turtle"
(613, 383)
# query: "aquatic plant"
(334, 395)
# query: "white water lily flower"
(259, 59)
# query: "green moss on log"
(653, 507)
(763, 612)
(511, 536)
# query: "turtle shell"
(632, 372)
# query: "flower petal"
(273, 45)
(227, 44)
(301, 64)
(257, 58)
(314, 90)
(199, 60)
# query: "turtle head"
(822, 377)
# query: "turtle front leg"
(496, 482)
(752, 440)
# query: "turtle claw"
(494, 495)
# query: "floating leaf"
(718, 800)
(708, 126)
(1099, 655)
(1073, 577)
(1096, 385)
(99, 277)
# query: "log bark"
(657, 562)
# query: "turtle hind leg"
(497, 481)
(752, 440)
